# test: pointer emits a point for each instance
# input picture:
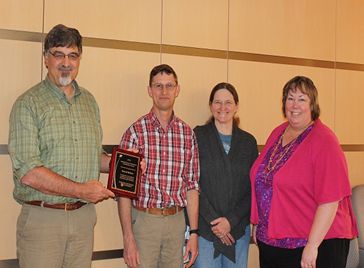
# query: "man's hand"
(93, 191)
(49, 182)
(143, 163)
(191, 249)
(131, 253)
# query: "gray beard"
(65, 80)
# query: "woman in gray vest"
(226, 155)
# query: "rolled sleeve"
(23, 139)
(193, 167)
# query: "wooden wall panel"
(20, 69)
(260, 92)
(356, 168)
(108, 233)
(304, 29)
(21, 15)
(197, 76)
(267, 42)
(9, 210)
(120, 90)
(202, 24)
(113, 263)
(350, 31)
(111, 19)
(349, 106)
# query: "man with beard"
(56, 151)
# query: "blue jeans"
(206, 250)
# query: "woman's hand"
(309, 256)
(220, 227)
(254, 234)
(228, 239)
(324, 216)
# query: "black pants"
(332, 253)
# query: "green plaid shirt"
(48, 130)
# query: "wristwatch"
(194, 231)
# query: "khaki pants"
(159, 239)
(55, 238)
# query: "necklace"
(271, 163)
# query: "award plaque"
(124, 174)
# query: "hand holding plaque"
(124, 174)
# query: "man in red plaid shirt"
(154, 223)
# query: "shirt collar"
(155, 122)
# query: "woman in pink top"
(301, 211)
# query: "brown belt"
(64, 206)
(161, 211)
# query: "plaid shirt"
(172, 160)
(48, 130)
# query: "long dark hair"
(229, 87)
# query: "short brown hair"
(63, 36)
(306, 86)
(160, 69)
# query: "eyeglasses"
(220, 103)
(73, 56)
(159, 86)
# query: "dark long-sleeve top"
(224, 183)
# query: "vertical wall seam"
(161, 33)
(42, 41)
(335, 65)
(228, 40)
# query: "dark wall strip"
(119, 44)
(189, 51)
(108, 148)
(352, 147)
(3, 150)
(13, 263)
(107, 254)
(234, 55)
(194, 51)
(20, 35)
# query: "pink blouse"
(316, 173)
